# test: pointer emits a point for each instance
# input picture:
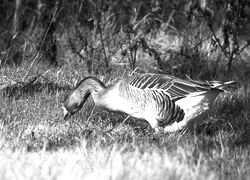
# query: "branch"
(217, 40)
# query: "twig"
(78, 73)
(41, 45)
(103, 46)
(128, 116)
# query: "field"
(46, 47)
(37, 143)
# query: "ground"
(37, 143)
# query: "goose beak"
(66, 113)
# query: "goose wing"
(176, 88)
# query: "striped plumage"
(164, 101)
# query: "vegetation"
(47, 46)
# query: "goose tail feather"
(225, 86)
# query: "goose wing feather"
(175, 87)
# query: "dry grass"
(99, 163)
(36, 143)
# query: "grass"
(36, 143)
(99, 163)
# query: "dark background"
(103, 34)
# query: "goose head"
(73, 102)
(76, 98)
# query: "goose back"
(174, 87)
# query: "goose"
(166, 102)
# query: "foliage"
(236, 19)
(176, 37)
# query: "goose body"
(163, 101)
